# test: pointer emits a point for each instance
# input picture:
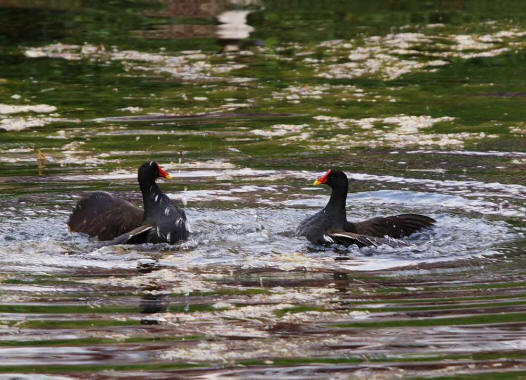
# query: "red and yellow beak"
(163, 173)
(322, 179)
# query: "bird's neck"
(337, 202)
(151, 195)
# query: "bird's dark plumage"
(101, 214)
(109, 218)
(330, 225)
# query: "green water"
(423, 104)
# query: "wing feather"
(349, 238)
(102, 215)
(396, 226)
(138, 235)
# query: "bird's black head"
(333, 178)
(150, 171)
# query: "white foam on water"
(6, 109)
(470, 153)
(455, 186)
(430, 201)
(245, 238)
(259, 232)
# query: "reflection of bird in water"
(330, 225)
(151, 304)
(151, 301)
(341, 281)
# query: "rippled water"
(253, 226)
(245, 104)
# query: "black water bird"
(330, 225)
(119, 222)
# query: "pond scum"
(245, 103)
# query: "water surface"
(245, 104)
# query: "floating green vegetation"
(39, 280)
(436, 301)
(77, 324)
(442, 288)
(470, 320)
(383, 359)
(67, 309)
(229, 292)
(98, 341)
(445, 307)
(501, 375)
(96, 309)
(99, 367)
(297, 309)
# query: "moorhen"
(109, 218)
(330, 225)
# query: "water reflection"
(152, 303)
(341, 281)
(232, 23)
(152, 299)
(233, 28)
(244, 286)
(55, 4)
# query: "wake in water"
(253, 226)
(247, 238)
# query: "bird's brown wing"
(102, 215)
(393, 226)
(350, 238)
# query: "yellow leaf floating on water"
(40, 155)
(41, 160)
